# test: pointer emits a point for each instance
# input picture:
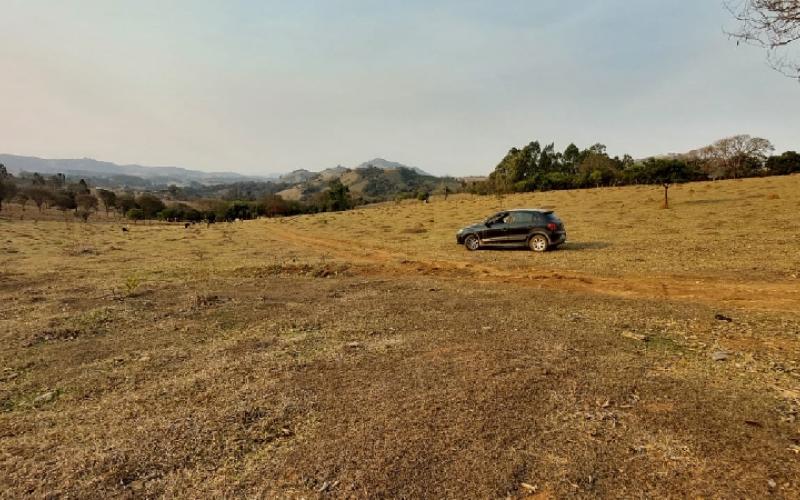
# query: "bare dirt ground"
(364, 354)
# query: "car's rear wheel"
(472, 242)
(538, 243)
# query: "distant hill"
(372, 180)
(103, 172)
(297, 176)
(386, 164)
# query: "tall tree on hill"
(338, 196)
(771, 24)
(571, 159)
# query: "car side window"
(510, 219)
(523, 218)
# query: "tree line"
(541, 168)
(531, 168)
(56, 191)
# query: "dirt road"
(766, 296)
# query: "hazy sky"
(266, 86)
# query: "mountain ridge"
(104, 169)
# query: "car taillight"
(552, 226)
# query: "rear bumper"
(558, 238)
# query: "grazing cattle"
(186, 225)
(124, 229)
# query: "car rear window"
(551, 217)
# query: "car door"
(519, 227)
(496, 228)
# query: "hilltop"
(372, 180)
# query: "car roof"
(540, 210)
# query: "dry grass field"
(365, 354)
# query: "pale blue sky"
(449, 86)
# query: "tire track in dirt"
(765, 296)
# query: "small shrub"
(131, 285)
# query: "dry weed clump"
(415, 230)
(315, 270)
(51, 335)
(205, 300)
(80, 250)
(773, 196)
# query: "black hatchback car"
(535, 228)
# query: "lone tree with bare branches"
(772, 24)
(736, 156)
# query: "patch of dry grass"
(745, 233)
(283, 359)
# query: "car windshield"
(494, 219)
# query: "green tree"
(109, 199)
(7, 189)
(596, 168)
(787, 163)
(58, 181)
(338, 196)
(273, 205)
(667, 171)
(64, 200)
(37, 179)
(150, 204)
(135, 214)
(87, 204)
(571, 158)
(126, 202)
(40, 195)
(22, 198)
(239, 210)
(82, 187)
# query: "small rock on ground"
(634, 336)
(45, 397)
(720, 355)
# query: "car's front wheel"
(472, 242)
(538, 243)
